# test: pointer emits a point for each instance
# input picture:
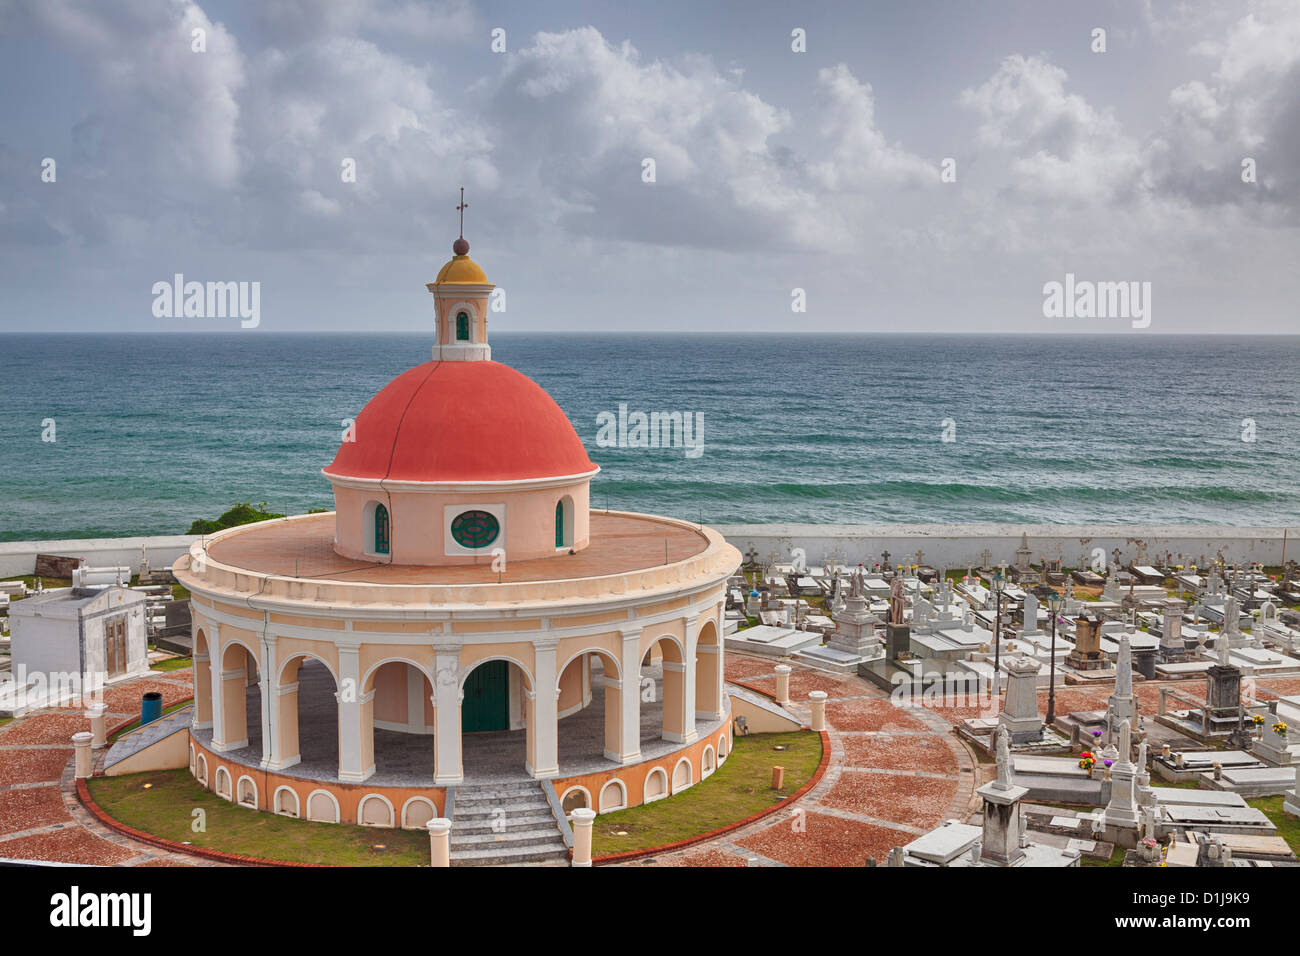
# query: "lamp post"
(1054, 602)
(999, 584)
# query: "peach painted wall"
(349, 796)
(634, 777)
(417, 529)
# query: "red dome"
(462, 421)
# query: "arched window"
(462, 326)
(381, 530)
(564, 522)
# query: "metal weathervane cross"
(462, 207)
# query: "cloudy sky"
(774, 169)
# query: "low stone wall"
(19, 557)
(961, 546)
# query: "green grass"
(1288, 827)
(172, 664)
(1116, 859)
(30, 581)
(167, 810)
(136, 723)
(739, 788)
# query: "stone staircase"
(151, 733)
(503, 824)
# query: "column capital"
(631, 631)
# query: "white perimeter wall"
(19, 557)
(956, 547)
(949, 546)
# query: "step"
(510, 806)
(511, 822)
(497, 790)
(488, 795)
(499, 811)
(501, 856)
(534, 837)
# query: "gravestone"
(1019, 716)
(1172, 648)
(1002, 821)
(1087, 654)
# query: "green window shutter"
(462, 327)
(381, 529)
(559, 524)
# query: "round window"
(475, 529)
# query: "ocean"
(152, 432)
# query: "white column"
(446, 702)
(582, 819)
(353, 766)
(96, 714)
(691, 639)
(81, 744)
(630, 697)
(214, 678)
(270, 701)
(783, 683)
(545, 728)
(439, 841)
(818, 698)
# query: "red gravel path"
(44, 822)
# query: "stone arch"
(574, 798)
(246, 791)
(676, 720)
(416, 812)
(304, 681)
(656, 785)
(192, 761)
(239, 660)
(285, 802)
(375, 810)
(222, 786)
(322, 807)
(683, 775)
(707, 761)
(468, 669)
(201, 769)
(400, 692)
(722, 749)
(613, 795)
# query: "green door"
(487, 702)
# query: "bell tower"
(460, 303)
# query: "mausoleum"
(463, 617)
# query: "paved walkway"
(894, 774)
(40, 816)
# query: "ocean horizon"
(153, 431)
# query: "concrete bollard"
(98, 737)
(778, 777)
(783, 684)
(439, 841)
(582, 820)
(818, 698)
(81, 741)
